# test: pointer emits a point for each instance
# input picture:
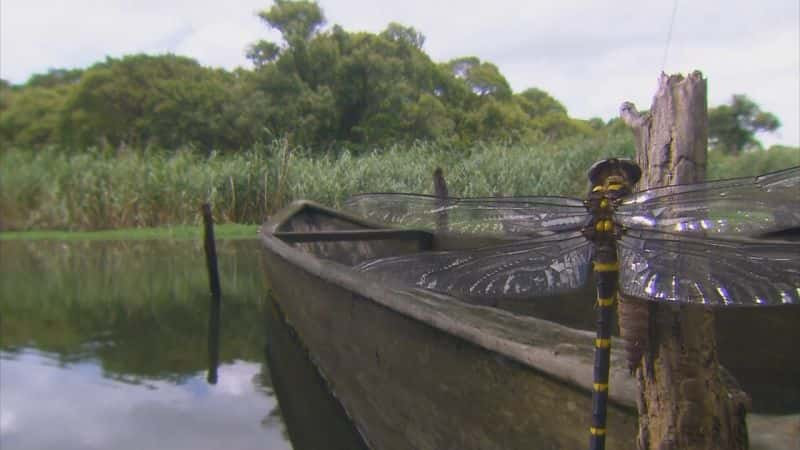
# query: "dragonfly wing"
(523, 269)
(751, 206)
(494, 215)
(662, 267)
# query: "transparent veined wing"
(750, 206)
(494, 215)
(716, 272)
(526, 268)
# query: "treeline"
(321, 88)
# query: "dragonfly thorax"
(612, 182)
(601, 205)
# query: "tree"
(6, 91)
(332, 86)
(548, 117)
(296, 20)
(321, 87)
(31, 113)
(262, 52)
(166, 100)
(483, 78)
(732, 128)
(397, 32)
(31, 116)
(55, 77)
(496, 120)
(536, 102)
(379, 85)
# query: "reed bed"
(95, 190)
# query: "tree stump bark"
(685, 401)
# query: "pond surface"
(104, 345)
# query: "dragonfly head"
(614, 171)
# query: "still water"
(104, 345)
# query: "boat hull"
(417, 369)
(408, 385)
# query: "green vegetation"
(732, 128)
(140, 141)
(138, 307)
(179, 232)
(722, 165)
(323, 88)
(95, 190)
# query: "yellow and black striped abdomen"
(606, 274)
(611, 180)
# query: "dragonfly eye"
(628, 170)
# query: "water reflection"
(313, 416)
(104, 345)
(48, 404)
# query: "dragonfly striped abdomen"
(687, 244)
(611, 181)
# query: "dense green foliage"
(137, 100)
(44, 191)
(227, 231)
(100, 190)
(756, 162)
(732, 128)
(140, 141)
(323, 88)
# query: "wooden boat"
(422, 370)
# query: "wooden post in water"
(216, 293)
(440, 191)
(684, 401)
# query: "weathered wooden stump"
(685, 402)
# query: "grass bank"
(178, 232)
(94, 190)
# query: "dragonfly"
(719, 244)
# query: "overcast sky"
(590, 55)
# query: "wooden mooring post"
(216, 293)
(440, 191)
(684, 402)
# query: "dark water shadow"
(314, 418)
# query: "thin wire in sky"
(669, 34)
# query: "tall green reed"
(100, 190)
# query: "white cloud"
(8, 422)
(39, 34)
(236, 379)
(591, 56)
(78, 408)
